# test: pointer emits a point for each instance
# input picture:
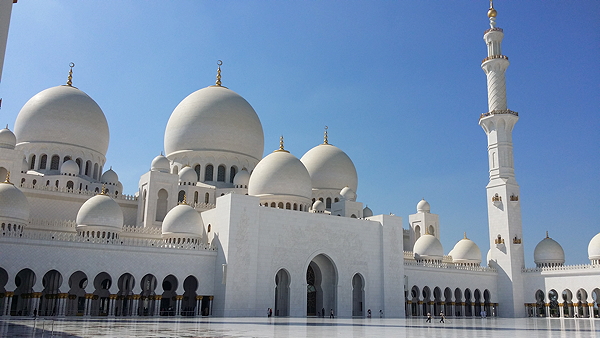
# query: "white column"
(7, 304)
(134, 310)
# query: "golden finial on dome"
(70, 78)
(184, 201)
(465, 235)
(218, 83)
(281, 145)
(7, 180)
(325, 139)
(103, 191)
(547, 234)
(492, 12)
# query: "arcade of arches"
(84, 295)
(566, 304)
(455, 303)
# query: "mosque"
(216, 229)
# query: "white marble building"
(216, 229)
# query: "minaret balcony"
(494, 29)
(492, 57)
(499, 112)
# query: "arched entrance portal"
(282, 293)
(358, 295)
(321, 280)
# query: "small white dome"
(330, 168)
(466, 251)
(188, 175)
(428, 247)
(318, 206)
(100, 211)
(182, 221)
(241, 179)
(161, 163)
(69, 168)
(280, 173)
(594, 248)
(423, 206)
(110, 177)
(367, 212)
(348, 194)
(214, 119)
(548, 252)
(8, 139)
(14, 206)
(65, 116)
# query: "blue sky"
(398, 83)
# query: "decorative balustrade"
(53, 188)
(562, 268)
(64, 225)
(77, 238)
(493, 29)
(492, 57)
(437, 265)
(142, 230)
(499, 112)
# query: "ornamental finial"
(7, 180)
(184, 201)
(103, 191)
(325, 139)
(547, 234)
(218, 83)
(465, 234)
(70, 78)
(492, 13)
(281, 145)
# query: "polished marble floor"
(297, 327)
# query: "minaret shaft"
(504, 211)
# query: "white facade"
(214, 230)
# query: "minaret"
(504, 211)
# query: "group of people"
(369, 313)
(442, 318)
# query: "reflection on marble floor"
(297, 327)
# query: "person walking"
(442, 317)
(428, 318)
(331, 314)
(369, 313)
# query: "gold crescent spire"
(184, 202)
(218, 83)
(492, 12)
(325, 138)
(70, 78)
(103, 191)
(547, 234)
(465, 234)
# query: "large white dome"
(330, 168)
(214, 119)
(280, 173)
(594, 248)
(466, 251)
(428, 247)
(100, 211)
(182, 221)
(63, 115)
(14, 206)
(548, 253)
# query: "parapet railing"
(562, 268)
(450, 266)
(127, 241)
(53, 188)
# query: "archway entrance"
(358, 295)
(282, 293)
(321, 290)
